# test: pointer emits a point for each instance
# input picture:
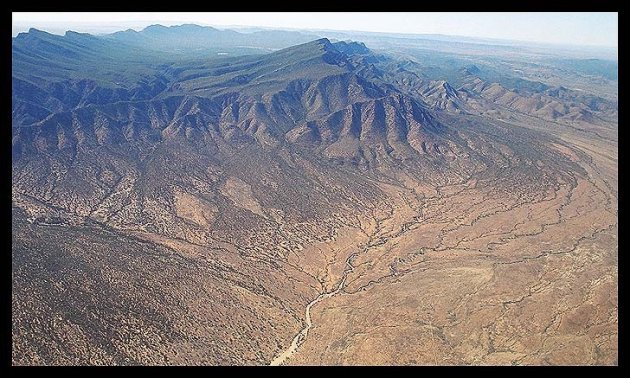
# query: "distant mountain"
(192, 39)
(597, 67)
(552, 103)
(41, 56)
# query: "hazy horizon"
(586, 30)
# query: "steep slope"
(313, 92)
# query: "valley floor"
(465, 276)
(460, 274)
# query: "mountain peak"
(194, 27)
(36, 31)
(32, 32)
(325, 42)
(351, 47)
(71, 33)
(322, 45)
(343, 47)
(155, 28)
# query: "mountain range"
(171, 187)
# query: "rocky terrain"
(320, 204)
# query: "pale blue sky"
(593, 29)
